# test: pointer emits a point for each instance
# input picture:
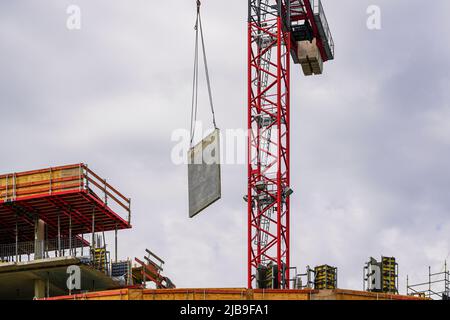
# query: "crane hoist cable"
(199, 30)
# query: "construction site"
(60, 227)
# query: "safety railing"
(98, 258)
(107, 193)
(40, 249)
(319, 11)
(301, 281)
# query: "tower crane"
(278, 31)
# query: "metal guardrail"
(319, 11)
(107, 192)
(35, 250)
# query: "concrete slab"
(17, 281)
(204, 174)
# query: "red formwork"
(72, 197)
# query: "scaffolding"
(437, 286)
(302, 281)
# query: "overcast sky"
(370, 138)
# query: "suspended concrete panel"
(204, 174)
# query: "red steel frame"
(73, 204)
(268, 158)
(269, 30)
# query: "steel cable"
(194, 108)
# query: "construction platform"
(47, 217)
(232, 294)
(69, 194)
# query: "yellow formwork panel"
(325, 277)
(389, 268)
(40, 182)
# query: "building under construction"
(54, 221)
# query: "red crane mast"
(278, 30)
